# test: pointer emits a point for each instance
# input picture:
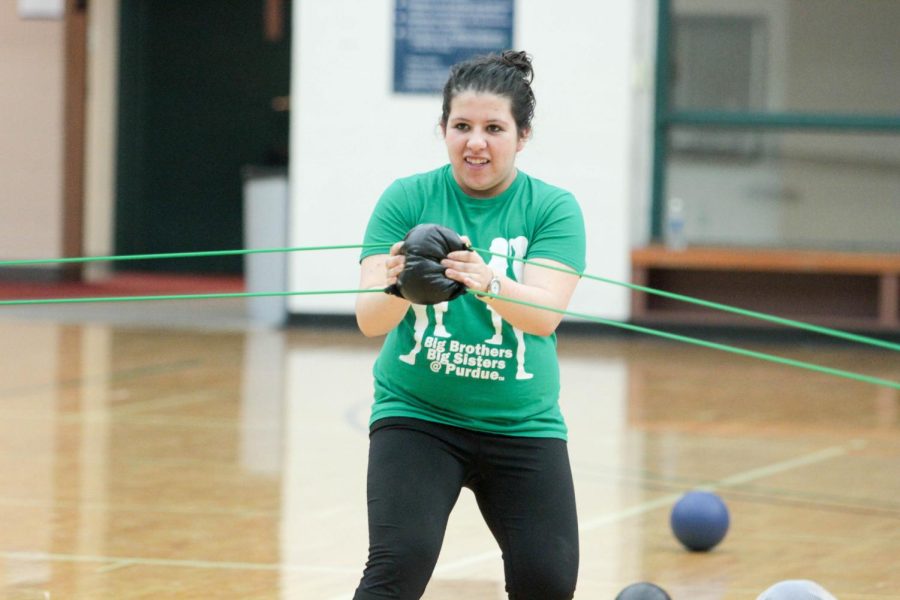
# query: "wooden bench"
(836, 289)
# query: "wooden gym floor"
(139, 460)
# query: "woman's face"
(482, 142)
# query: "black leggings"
(523, 487)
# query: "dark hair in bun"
(506, 74)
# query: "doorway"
(202, 96)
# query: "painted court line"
(669, 499)
(124, 561)
(112, 563)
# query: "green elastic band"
(714, 345)
(862, 339)
(179, 297)
(87, 259)
(637, 328)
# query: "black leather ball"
(422, 280)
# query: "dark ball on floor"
(643, 591)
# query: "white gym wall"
(351, 135)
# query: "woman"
(466, 391)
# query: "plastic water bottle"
(675, 235)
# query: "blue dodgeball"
(699, 520)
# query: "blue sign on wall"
(432, 35)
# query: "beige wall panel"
(31, 135)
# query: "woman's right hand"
(377, 314)
(394, 264)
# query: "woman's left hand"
(468, 268)
(544, 282)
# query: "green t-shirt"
(457, 362)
